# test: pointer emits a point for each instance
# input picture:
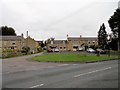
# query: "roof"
(60, 41)
(82, 38)
(39, 42)
(11, 37)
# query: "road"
(69, 75)
(23, 63)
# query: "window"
(12, 47)
(63, 42)
(13, 43)
(93, 42)
(75, 47)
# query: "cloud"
(56, 18)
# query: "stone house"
(11, 42)
(61, 45)
(72, 43)
(81, 42)
(30, 42)
(16, 43)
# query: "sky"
(57, 18)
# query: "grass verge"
(72, 58)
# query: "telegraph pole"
(119, 33)
(119, 39)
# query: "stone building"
(32, 44)
(72, 43)
(16, 43)
(12, 42)
(81, 42)
(61, 45)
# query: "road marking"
(63, 65)
(51, 66)
(36, 86)
(92, 72)
(75, 64)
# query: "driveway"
(22, 63)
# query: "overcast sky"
(57, 18)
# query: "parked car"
(101, 51)
(56, 50)
(80, 49)
(49, 50)
(90, 50)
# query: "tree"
(42, 44)
(25, 50)
(114, 23)
(102, 37)
(113, 44)
(7, 31)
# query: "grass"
(72, 58)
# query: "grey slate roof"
(11, 38)
(60, 41)
(82, 38)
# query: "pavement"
(27, 74)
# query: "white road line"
(51, 66)
(75, 64)
(63, 65)
(92, 72)
(36, 86)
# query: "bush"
(11, 54)
(7, 50)
(25, 50)
(94, 47)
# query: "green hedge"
(10, 54)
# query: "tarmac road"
(72, 75)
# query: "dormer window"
(63, 42)
(51, 42)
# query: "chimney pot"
(22, 34)
(80, 36)
(27, 34)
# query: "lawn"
(72, 58)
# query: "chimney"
(80, 36)
(27, 34)
(67, 35)
(21, 34)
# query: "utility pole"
(119, 39)
(119, 33)
(27, 39)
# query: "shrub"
(25, 50)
